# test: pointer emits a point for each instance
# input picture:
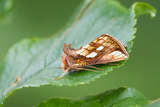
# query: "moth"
(103, 50)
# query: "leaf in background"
(34, 62)
(155, 103)
(121, 97)
(5, 6)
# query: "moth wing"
(102, 50)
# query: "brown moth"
(103, 50)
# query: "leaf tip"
(141, 8)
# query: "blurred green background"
(39, 18)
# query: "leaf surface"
(34, 62)
(121, 97)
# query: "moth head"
(70, 52)
(66, 48)
(64, 62)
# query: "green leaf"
(121, 97)
(5, 6)
(34, 62)
(143, 8)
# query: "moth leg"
(86, 69)
(95, 67)
(62, 74)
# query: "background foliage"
(112, 98)
(24, 24)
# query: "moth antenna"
(62, 74)
(95, 67)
